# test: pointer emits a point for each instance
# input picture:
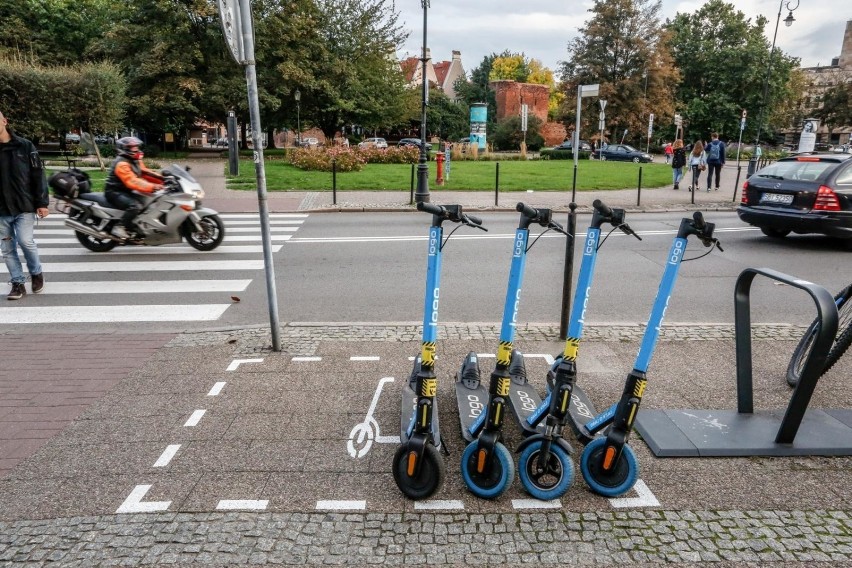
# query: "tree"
(724, 57)
(836, 105)
(447, 119)
(476, 89)
(623, 49)
(508, 134)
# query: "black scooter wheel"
(619, 480)
(430, 478)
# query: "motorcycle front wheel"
(95, 244)
(208, 239)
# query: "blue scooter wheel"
(612, 483)
(430, 478)
(494, 482)
(554, 481)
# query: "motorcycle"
(167, 216)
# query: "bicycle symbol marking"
(363, 435)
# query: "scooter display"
(608, 464)
(167, 216)
(487, 466)
(418, 467)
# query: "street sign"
(742, 123)
(589, 90)
(602, 102)
(678, 120)
(601, 126)
(601, 116)
(231, 19)
(524, 113)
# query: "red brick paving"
(46, 381)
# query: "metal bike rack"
(671, 433)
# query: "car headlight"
(198, 193)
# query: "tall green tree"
(622, 48)
(836, 105)
(476, 90)
(724, 58)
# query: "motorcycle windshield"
(181, 173)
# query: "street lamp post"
(298, 96)
(422, 193)
(788, 21)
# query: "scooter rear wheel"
(430, 478)
(493, 483)
(554, 481)
(612, 483)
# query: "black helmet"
(128, 147)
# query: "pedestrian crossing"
(190, 278)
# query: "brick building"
(510, 95)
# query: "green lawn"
(540, 175)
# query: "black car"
(808, 193)
(622, 153)
(413, 142)
(568, 144)
(564, 151)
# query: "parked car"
(309, 142)
(413, 142)
(72, 138)
(808, 193)
(104, 139)
(622, 153)
(373, 143)
(564, 151)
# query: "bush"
(390, 155)
(321, 159)
(554, 154)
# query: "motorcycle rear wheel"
(208, 240)
(95, 244)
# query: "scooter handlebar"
(430, 208)
(471, 220)
(530, 212)
(603, 209)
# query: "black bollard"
(569, 271)
(411, 199)
(497, 184)
(639, 189)
(334, 182)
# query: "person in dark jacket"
(678, 162)
(715, 159)
(23, 197)
(127, 175)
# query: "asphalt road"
(370, 267)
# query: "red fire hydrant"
(439, 158)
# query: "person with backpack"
(715, 159)
(678, 162)
(697, 163)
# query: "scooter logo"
(363, 435)
(433, 319)
(519, 244)
(585, 304)
(433, 243)
(590, 244)
(677, 251)
(515, 308)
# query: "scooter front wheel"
(493, 482)
(612, 483)
(554, 480)
(425, 483)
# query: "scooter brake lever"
(558, 228)
(625, 228)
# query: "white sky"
(542, 30)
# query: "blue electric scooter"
(418, 467)
(608, 463)
(487, 466)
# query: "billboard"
(478, 120)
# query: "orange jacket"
(148, 182)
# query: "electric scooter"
(608, 464)
(418, 467)
(487, 466)
(527, 406)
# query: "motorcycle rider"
(127, 175)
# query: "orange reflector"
(480, 461)
(609, 457)
(412, 461)
(807, 159)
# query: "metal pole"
(411, 195)
(639, 192)
(737, 183)
(569, 271)
(576, 138)
(574, 185)
(233, 154)
(260, 172)
(422, 194)
(497, 184)
(334, 182)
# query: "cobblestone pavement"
(734, 538)
(685, 530)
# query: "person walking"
(678, 162)
(23, 198)
(668, 151)
(697, 163)
(715, 159)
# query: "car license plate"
(779, 198)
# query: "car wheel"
(636, 160)
(774, 233)
(603, 158)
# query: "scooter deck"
(581, 410)
(523, 397)
(471, 396)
